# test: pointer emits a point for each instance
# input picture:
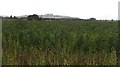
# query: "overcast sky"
(100, 9)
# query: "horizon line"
(54, 14)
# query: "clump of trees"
(33, 17)
(12, 17)
(92, 19)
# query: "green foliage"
(59, 42)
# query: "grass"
(59, 42)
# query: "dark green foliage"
(33, 17)
(92, 19)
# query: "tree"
(92, 19)
(112, 20)
(11, 17)
(33, 17)
(15, 17)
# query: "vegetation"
(59, 42)
(33, 17)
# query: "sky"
(84, 9)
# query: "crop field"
(59, 42)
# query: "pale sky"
(99, 9)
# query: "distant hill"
(51, 16)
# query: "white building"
(56, 16)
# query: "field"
(59, 42)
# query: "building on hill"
(55, 17)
